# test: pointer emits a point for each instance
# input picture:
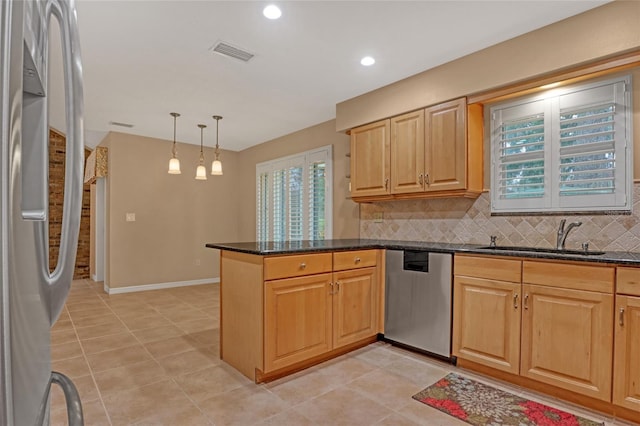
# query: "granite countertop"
(293, 247)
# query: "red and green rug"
(482, 405)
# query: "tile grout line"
(91, 373)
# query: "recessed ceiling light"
(367, 61)
(272, 11)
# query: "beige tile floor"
(151, 358)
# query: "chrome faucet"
(562, 233)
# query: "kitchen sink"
(544, 250)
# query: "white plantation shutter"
(566, 152)
(296, 191)
(296, 200)
(592, 147)
(278, 205)
(319, 195)
(262, 206)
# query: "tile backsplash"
(460, 220)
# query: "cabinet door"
(446, 146)
(626, 370)
(370, 158)
(407, 153)
(486, 322)
(354, 306)
(297, 320)
(567, 339)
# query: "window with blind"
(565, 150)
(294, 197)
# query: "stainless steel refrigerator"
(31, 298)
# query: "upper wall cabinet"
(370, 160)
(434, 152)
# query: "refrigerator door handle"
(71, 397)
(58, 282)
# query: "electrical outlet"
(130, 217)
(378, 217)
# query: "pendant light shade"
(174, 163)
(216, 166)
(201, 171)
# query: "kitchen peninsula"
(289, 305)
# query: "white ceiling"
(144, 59)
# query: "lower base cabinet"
(487, 322)
(309, 316)
(535, 322)
(567, 337)
(626, 380)
(298, 320)
(286, 312)
(354, 306)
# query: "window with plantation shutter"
(262, 205)
(294, 198)
(565, 150)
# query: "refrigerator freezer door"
(31, 297)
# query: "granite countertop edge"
(299, 247)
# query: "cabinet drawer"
(628, 281)
(577, 277)
(488, 268)
(354, 259)
(296, 265)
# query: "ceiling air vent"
(120, 124)
(231, 51)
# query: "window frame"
(265, 227)
(549, 105)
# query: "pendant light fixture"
(174, 163)
(216, 166)
(201, 171)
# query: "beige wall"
(596, 34)
(175, 214)
(345, 211)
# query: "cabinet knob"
(303, 265)
(426, 178)
(621, 317)
(357, 260)
(386, 183)
(515, 301)
(526, 301)
(420, 178)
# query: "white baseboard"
(158, 286)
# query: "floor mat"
(480, 404)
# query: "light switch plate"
(131, 217)
(378, 217)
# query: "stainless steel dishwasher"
(418, 300)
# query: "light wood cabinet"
(486, 324)
(486, 320)
(354, 306)
(407, 153)
(432, 152)
(370, 160)
(626, 370)
(298, 318)
(281, 313)
(446, 146)
(311, 315)
(567, 339)
(626, 367)
(541, 326)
